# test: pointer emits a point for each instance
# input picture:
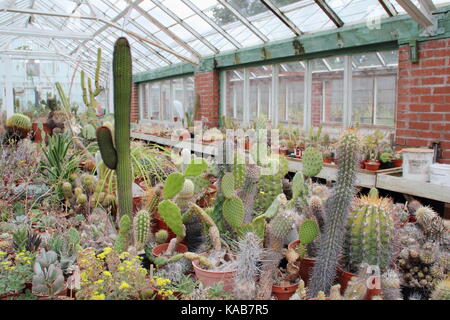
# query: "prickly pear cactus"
(312, 162)
(233, 212)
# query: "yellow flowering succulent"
(124, 285)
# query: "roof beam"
(330, 13)
(421, 15)
(163, 28)
(44, 33)
(186, 26)
(244, 20)
(282, 17)
(212, 23)
(388, 7)
(427, 5)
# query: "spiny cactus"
(312, 162)
(442, 290)
(316, 208)
(390, 285)
(369, 232)
(124, 227)
(161, 236)
(90, 101)
(116, 153)
(247, 271)
(248, 190)
(18, 124)
(431, 224)
(233, 207)
(141, 228)
(336, 208)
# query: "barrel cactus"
(18, 124)
(369, 232)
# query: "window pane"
(374, 88)
(234, 105)
(291, 93)
(260, 91)
(165, 101)
(178, 98)
(189, 95)
(328, 93)
(154, 98)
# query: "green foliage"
(233, 212)
(196, 167)
(308, 231)
(228, 188)
(48, 278)
(58, 164)
(19, 121)
(174, 184)
(312, 162)
(141, 227)
(161, 236)
(171, 215)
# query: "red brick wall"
(134, 117)
(207, 87)
(423, 101)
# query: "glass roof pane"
(161, 16)
(356, 10)
(308, 17)
(179, 8)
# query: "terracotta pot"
(208, 197)
(344, 277)
(372, 166)
(161, 248)
(306, 264)
(362, 164)
(397, 163)
(137, 203)
(45, 297)
(37, 136)
(284, 292)
(208, 277)
(327, 160)
(284, 151)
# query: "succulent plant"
(442, 290)
(312, 162)
(141, 228)
(48, 278)
(18, 124)
(432, 225)
(161, 236)
(369, 232)
(336, 208)
(124, 227)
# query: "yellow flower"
(99, 281)
(107, 274)
(121, 268)
(98, 296)
(124, 285)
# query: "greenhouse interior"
(252, 150)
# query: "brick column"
(207, 87)
(134, 117)
(423, 101)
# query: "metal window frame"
(214, 25)
(331, 14)
(388, 7)
(282, 17)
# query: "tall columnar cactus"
(248, 190)
(116, 153)
(312, 162)
(369, 232)
(336, 208)
(89, 94)
(141, 228)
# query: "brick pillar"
(207, 87)
(423, 101)
(134, 117)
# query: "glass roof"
(165, 32)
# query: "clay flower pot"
(306, 264)
(284, 292)
(372, 165)
(161, 248)
(397, 163)
(160, 224)
(209, 277)
(344, 277)
(327, 160)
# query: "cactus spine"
(18, 124)
(369, 232)
(124, 228)
(336, 208)
(116, 154)
(312, 162)
(141, 228)
(90, 101)
(442, 290)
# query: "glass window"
(166, 112)
(260, 81)
(234, 105)
(328, 90)
(291, 77)
(155, 97)
(374, 88)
